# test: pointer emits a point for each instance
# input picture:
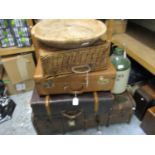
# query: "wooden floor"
(139, 44)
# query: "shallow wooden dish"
(69, 33)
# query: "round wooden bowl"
(69, 33)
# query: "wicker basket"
(59, 62)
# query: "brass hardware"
(48, 84)
(71, 123)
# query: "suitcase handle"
(69, 116)
(75, 91)
(75, 69)
(80, 91)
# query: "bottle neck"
(120, 56)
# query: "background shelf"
(139, 44)
(15, 50)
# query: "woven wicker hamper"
(60, 62)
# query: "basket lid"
(68, 30)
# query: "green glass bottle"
(122, 65)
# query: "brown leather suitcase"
(71, 83)
(60, 61)
(122, 109)
(59, 108)
(144, 98)
(148, 123)
(56, 114)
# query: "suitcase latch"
(48, 84)
(71, 123)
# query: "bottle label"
(121, 81)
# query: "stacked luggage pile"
(73, 88)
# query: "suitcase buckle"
(71, 123)
(48, 84)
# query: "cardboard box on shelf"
(17, 88)
(19, 68)
(119, 26)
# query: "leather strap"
(96, 107)
(49, 113)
